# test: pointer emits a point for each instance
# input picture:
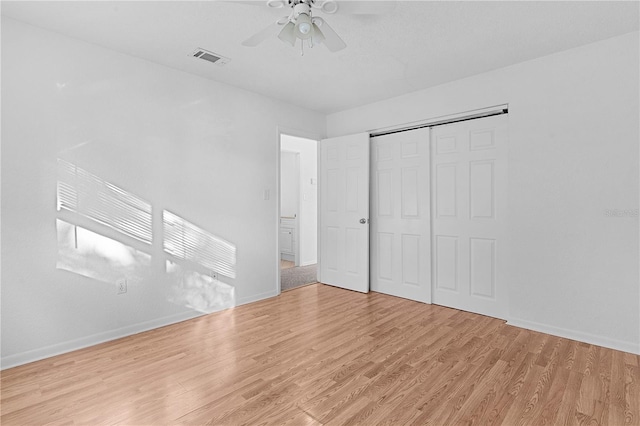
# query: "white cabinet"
(286, 240)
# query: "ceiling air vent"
(210, 56)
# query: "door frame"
(282, 130)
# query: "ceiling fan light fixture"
(303, 26)
(288, 34)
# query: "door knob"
(363, 220)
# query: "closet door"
(400, 224)
(469, 201)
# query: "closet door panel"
(400, 215)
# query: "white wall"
(573, 155)
(308, 220)
(203, 150)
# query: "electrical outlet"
(121, 286)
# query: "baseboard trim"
(256, 297)
(592, 339)
(95, 339)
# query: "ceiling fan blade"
(331, 39)
(365, 7)
(261, 36)
(317, 37)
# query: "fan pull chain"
(301, 47)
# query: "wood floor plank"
(619, 404)
(320, 355)
(567, 412)
(632, 391)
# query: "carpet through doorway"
(295, 277)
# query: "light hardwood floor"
(321, 355)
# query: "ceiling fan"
(301, 25)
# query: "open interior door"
(344, 212)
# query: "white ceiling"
(418, 44)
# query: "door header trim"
(445, 119)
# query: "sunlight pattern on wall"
(89, 196)
(95, 256)
(198, 291)
(101, 228)
(186, 241)
(106, 233)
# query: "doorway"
(298, 242)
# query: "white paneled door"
(469, 207)
(344, 212)
(400, 215)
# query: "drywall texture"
(573, 160)
(203, 151)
